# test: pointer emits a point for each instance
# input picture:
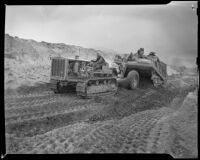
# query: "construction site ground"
(144, 120)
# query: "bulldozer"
(79, 76)
(140, 71)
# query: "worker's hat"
(152, 53)
(142, 49)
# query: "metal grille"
(58, 67)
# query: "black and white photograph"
(101, 79)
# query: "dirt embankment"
(183, 128)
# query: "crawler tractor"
(79, 76)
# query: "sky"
(169, 30)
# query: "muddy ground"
(145, 120)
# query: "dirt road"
(129, 122)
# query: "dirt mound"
(183, 129)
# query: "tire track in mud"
(125, 105)
(66, 137)
(135, 141)
(157, 142)
(94, 140)
(137, 129)
(33, 116)
(139, 133)
(48, 106)
(54, 104)
(85, 140)
(16, 108)
(17, 96)
(37, 100)
(41, 125)
(32, 102)
(119, 106)
(130, 135)
(65, 109)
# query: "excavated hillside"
(28, 61)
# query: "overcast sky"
(169, 30)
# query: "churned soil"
(145, 120)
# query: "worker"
(140, 53)
(152, 56)
(99, 62)
(130, 57)
(118, 59)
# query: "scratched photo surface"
(101, 79)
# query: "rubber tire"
(133, 79)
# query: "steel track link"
(82, 91)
